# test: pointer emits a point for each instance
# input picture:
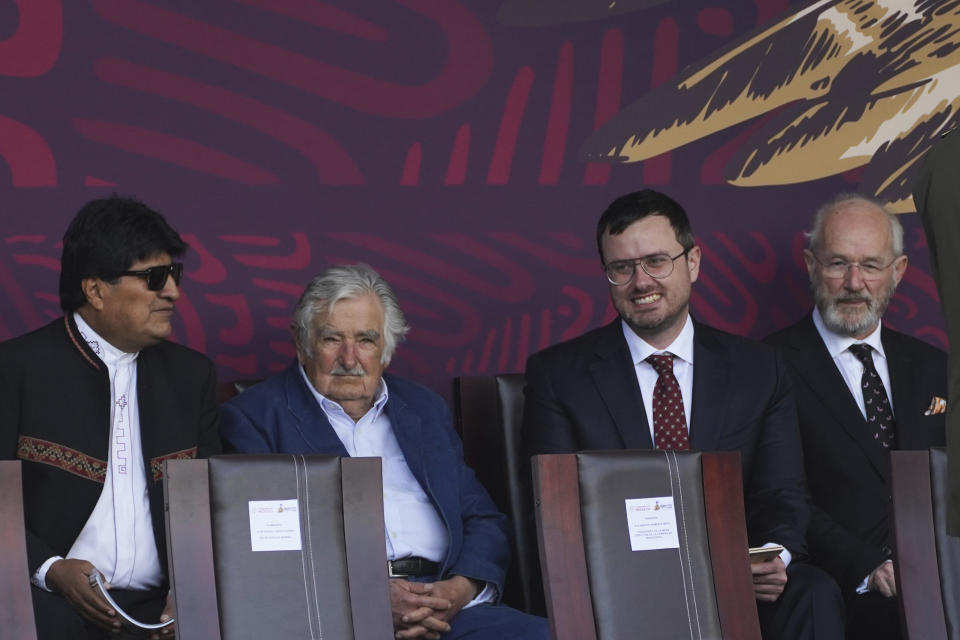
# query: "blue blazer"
(281, 415)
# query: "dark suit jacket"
(55, 417)
(583, 394)
(846, 471)
(282, 415)
(936, 192)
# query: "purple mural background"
(433, 140)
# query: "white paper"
(275, 525)
(652, 524)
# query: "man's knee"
(498, 622)
(810, 608)
(816, 588)
(55, 618)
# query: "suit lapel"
(711, 388)
(408, 430)
(905, 383)
(616, 381)
(311, 422)
(820, 373)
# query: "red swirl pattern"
(438, 141)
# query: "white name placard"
(652, 524)
(275, 525)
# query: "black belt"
(412, 567)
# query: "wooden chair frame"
(16, 601)
(190, 548)
(565, 580)
(481, 414)
(915, 549)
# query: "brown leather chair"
(335, 586)
(16, 602)
(227, 390)
(598, 588)
(926, 559)
(489, 412)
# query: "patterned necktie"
(669, 419)
(875, 401)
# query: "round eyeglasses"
(657, 265)
(837, 268)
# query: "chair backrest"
(595, 508)
(227, 390)
(16, 610)
(328, 576)
(489, 412)
(926, 559)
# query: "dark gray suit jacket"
(847, 472)
(936, 193)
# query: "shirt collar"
(330, 406)
(681, 347)
(837, 344)
(110, 355)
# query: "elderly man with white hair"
(447, 544)
(862, 390)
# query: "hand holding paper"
(769, 579)
(131, 627)
(71, 579)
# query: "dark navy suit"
(282, 415)
(584, 394)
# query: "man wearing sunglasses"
(93, 404)
(862, 390)
(655, 378)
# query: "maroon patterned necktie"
(875, 400)
(669, 419)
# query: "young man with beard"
(611, 388)
(862, 390)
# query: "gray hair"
(336, 284)
(815, 235)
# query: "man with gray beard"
(862, 390)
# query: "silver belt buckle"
(390, 572)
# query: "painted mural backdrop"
(464, 149)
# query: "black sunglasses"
(156, 277)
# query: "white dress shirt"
(413, 525)
(682, 350)
(852, 371)
(850, 367)
(118, 536)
